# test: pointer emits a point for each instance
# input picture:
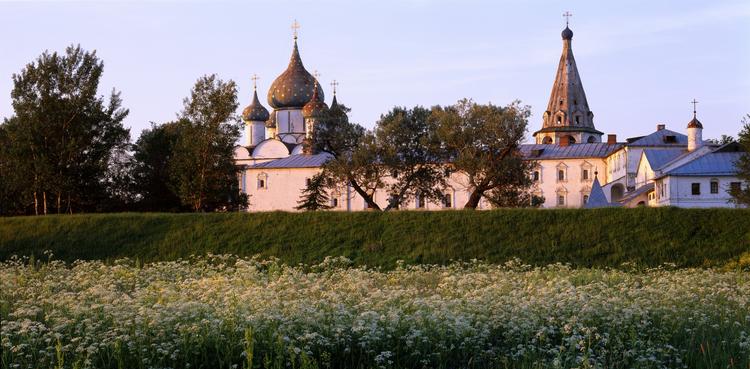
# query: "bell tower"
(568, 117)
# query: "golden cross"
(255, 79)
(295, 27)
(694, 102)
(334, 84)
(567, 16)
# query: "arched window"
(560, 175)
(559, 120)
(578, 119)
(547, 140)
(591, 139)
(263, 181)
(571, 140)
(585, 199)
(616, 192)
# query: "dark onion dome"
(334, 103)
(255, 112)
(695, 123)
(315, 108)
(271, 122)
(293, 88)
(567, 34)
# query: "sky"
(641, 62)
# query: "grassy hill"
(600, 237)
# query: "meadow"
(236, 312)
(581, 237)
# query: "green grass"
(590, 238)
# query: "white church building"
(575, 166)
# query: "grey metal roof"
(712, 164)
(638, 191)
(658, 157)
(553, 151)
(597, 199)
(657, 139)
(296, 161)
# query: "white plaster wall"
(680, 192)
(574, 186)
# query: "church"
(576, 165)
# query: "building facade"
(573, 163)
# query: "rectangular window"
(714, 186)
(307, 182)
(696, 187)
(261, 183)
(735, 186)
(536, 176)
(585, 199)
(334, 202)
(420, 202)
(585, 174)
(447, 201)
(560, 200)
(561, 175)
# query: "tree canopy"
(63, 138)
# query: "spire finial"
(334, 84)
(255, 79)
(295, 27)
(694, 102)
(567, 16)
(316, 74)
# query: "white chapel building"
(575, 166)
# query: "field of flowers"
(229, 312)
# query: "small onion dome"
(315, 108)
(294, 87)
(271, 122)
(695, 123)
(255, 112)
(567, 34)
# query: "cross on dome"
(567, 16)
(255, 79)
(334, 84)
(295, 27)
(694, 102)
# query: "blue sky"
(641, 62)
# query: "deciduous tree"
(483, 143)
(63, 135)
(742, 195)
(202, 170)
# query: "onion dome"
(271, 122)
(695, 123)
(295, 86)
(567, 33)
(255, 111)
(315, 108)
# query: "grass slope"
(599, 238)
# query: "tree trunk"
(474, 198)
(44, 199)
(59, 205)
(368, 199)
(70, 207)
(36, 204)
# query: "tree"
(411, 153)
(742, 195)
(353, 152)
(152, 155)
(202, 171)
(63, 137)
(315, 197)
(483, 143)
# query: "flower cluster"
(229, 312)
